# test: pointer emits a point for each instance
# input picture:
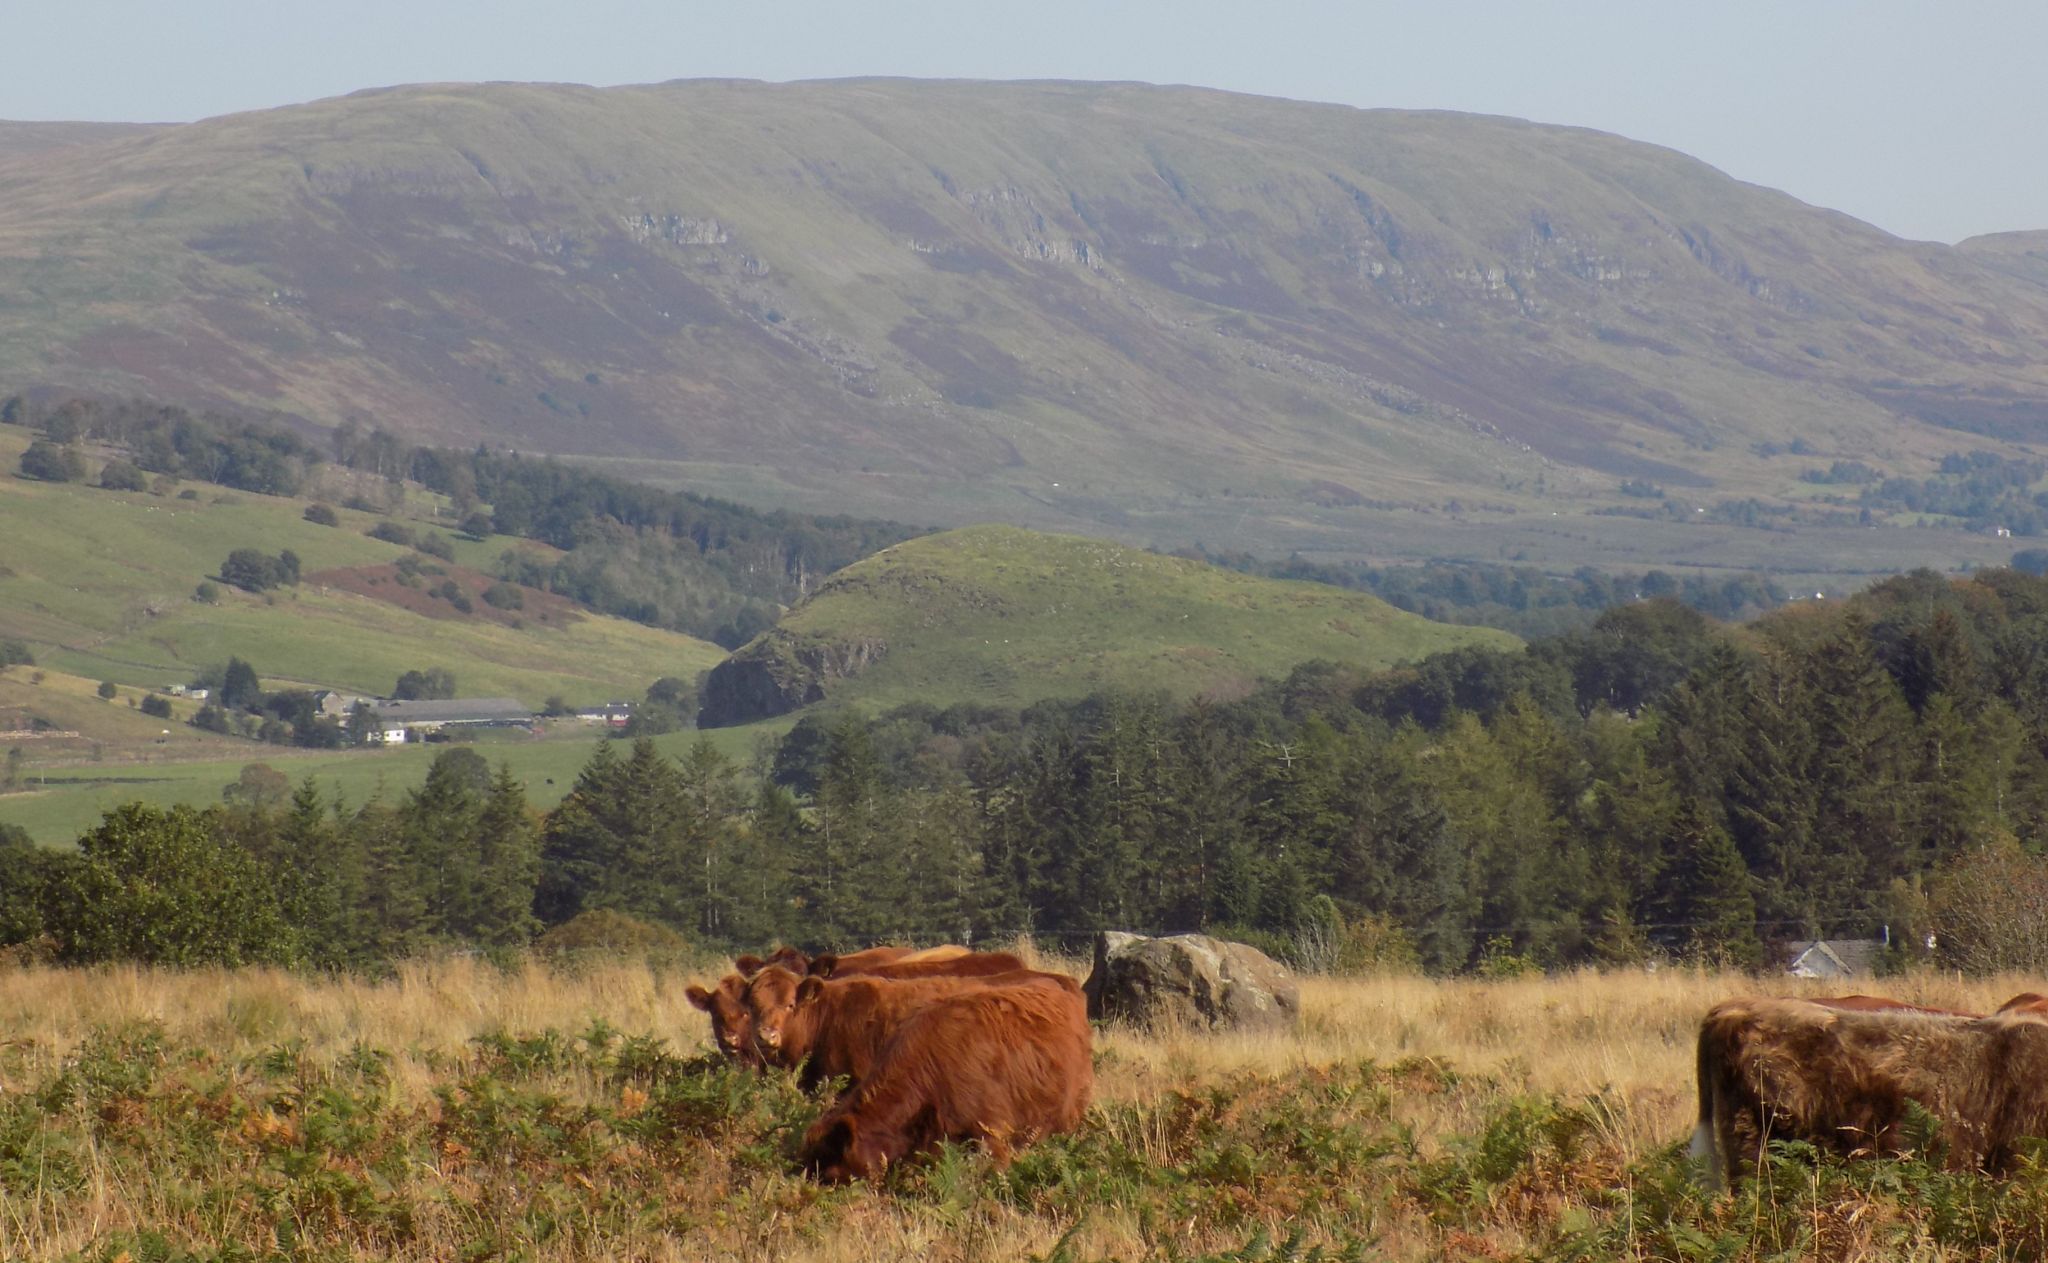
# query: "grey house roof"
(472, 710)
(1834, 958)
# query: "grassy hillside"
(1165, 314)
(100, 584)
(1006, 616)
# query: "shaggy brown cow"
(837, 1026)
(732, 1027)
(1841, 1079)
(1884, 1004)
(941, 963)
(1000, 1065)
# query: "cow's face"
(772, 997)
(836, 1151)
(732, 1026)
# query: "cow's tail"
(1708, 1162)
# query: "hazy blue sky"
(1927, 119)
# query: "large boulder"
(1189, 980)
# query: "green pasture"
(101, 584)
(60, 803)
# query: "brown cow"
(965, 964)
(837, 1026)
(732, 1027)
(1001, 1065)
(1842, 1079)
(1885, 1004)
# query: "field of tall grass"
(466, 1110)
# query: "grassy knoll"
(100, 584)
(1007, 616)
(61, 802)
(457, 1110)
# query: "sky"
(1927, 119)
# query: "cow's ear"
(823, 964)
(698, 997)
(809, 989)
(749, 965)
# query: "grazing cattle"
(732, 1027)
(838, 1026)
(964, 964)
(1000, 1065)
(1842, 1080)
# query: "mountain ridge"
(1170, 313)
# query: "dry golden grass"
(1625, 1038)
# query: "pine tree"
(653, 875)
(1117, 776)
(1956, 780)
(1007, 859)
(392, 917)
(1768, 799)
(1424, 863)
(1707, 903)
(582, 842)
(1862, 768)
(856, 886)
(441, 833)
(319, 879)
(1051, 815)
(710, 842)
(508, 867)
(944, 888)
(1940, 659)
(766, 905)
(1202, 819)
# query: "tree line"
(1659, 785)
(671, 559)
(1520, 599)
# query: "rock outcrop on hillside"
(778, 672)
(1189, 980)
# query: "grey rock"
(1189, 980)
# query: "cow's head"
(732, 1026)
(833, 1152)
(772, 997)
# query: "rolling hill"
(100, 584)
(1168, 314)
(1006, 616)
